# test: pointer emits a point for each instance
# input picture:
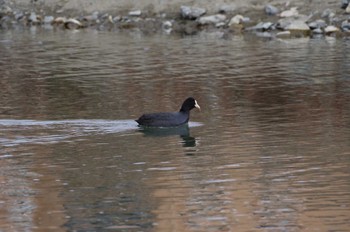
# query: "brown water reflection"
(270, 150)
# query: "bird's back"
(163, 119)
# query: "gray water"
(270, 150)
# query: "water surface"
(270, 150)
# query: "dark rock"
(5, 10)
(5, 22)
(345, 25)
(271, 10)
(262, 26)
(317, 24)
(344, 4)
(191, 13)
(19, 15)
(327, 13)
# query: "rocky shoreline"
(287, 20)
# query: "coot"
(169, 119)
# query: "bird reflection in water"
(183, 131)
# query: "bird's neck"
(183, 110)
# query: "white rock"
(237, 19)
(220, 24)
(289, 13)
(72, 24)
(48, 19)
(347, 10)
(283, 34)
(117, 18)
(110, 19)
(212, 19)
(59, 20)
(298, 25)
(33, 18)
(331, 29)
(135, 13)
(317, 31)
(167, 25)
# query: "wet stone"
(327, 13)
(60, 20)
(271, 10)
(317, 31)
(91, 18)
(292, 12)
(212, 19)
(285, 22)
(135, 13)
(167, 25)
(117, 18)
(331, 29)
(237, 19)
(347, 10)
(345, 25)
(298, 25)
(72, 24)
(188, 12)
(48, 19)
(33, 18)
(320, 23)
(19, 16)
(283, 34)
(262, 26)
(5, 10)
(344, 4)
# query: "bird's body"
(169, 119)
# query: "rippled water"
(270, 150)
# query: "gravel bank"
(266, 18)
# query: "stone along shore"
(281, 19)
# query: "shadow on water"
(182, 131)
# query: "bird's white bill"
(196, 105)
